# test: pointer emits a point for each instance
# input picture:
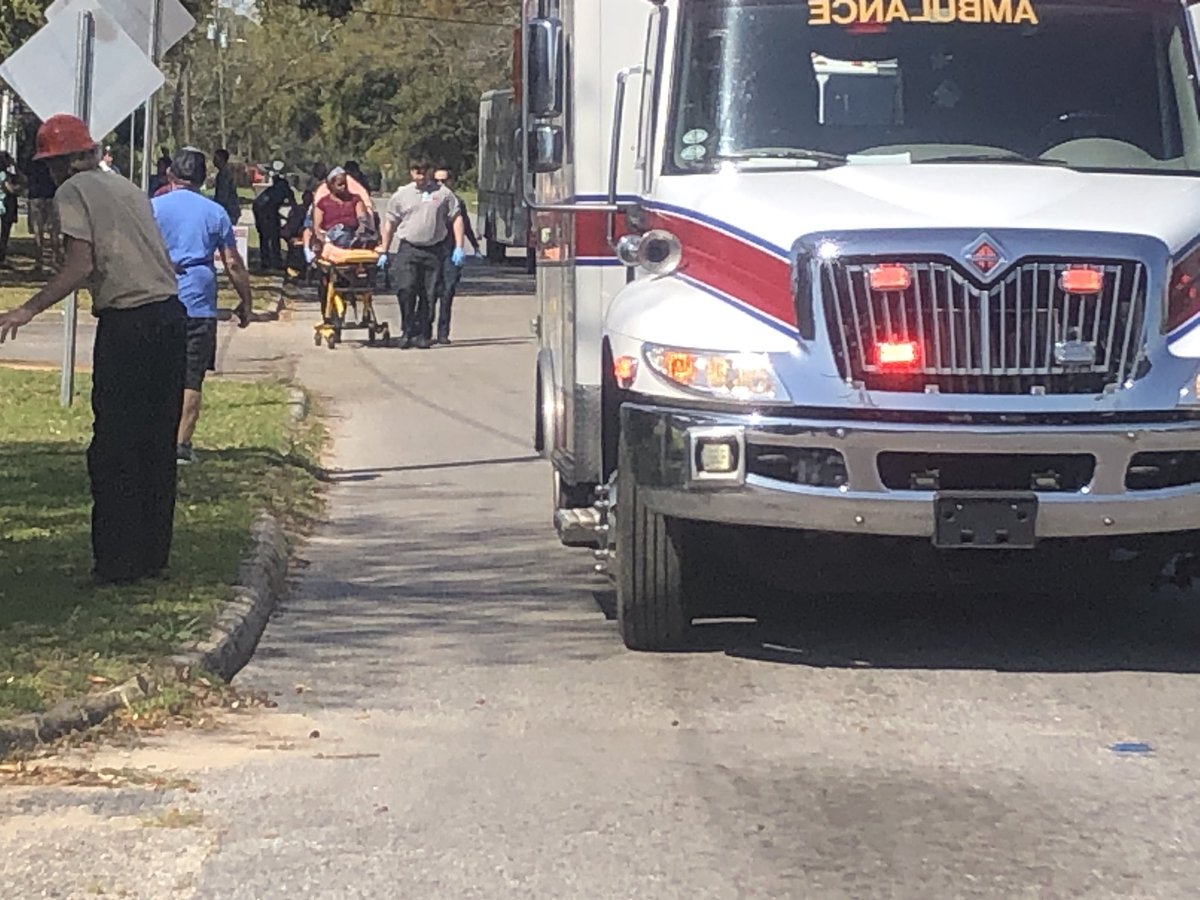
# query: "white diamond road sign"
(134, 17)
(42, 71)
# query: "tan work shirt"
(130, 263)
(421, 217)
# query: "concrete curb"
(262, 583)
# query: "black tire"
(652, 605)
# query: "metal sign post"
(150, 122)
(85, 58)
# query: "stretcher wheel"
(331, 341)
(316, 339)
(385, 333)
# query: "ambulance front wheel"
(652, 570)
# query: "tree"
(19, 19)
(331, 80)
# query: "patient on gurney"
(341, 221)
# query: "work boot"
(404, 342)
(422, 343)
(184, 455)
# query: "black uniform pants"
(137, 397)
(418, 275)
(269, 254)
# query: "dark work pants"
(137, 398)
(5, 231)
(418, 275)
(269, 254)
(451, 275)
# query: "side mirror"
(545, 42)
(546, 149)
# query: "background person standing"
(43, 217)
(267, 207)
(195, 230)
(159, 179)
(114, 248)
(225, 190)
(418, 219)
(451, 270)
(11, 184)
(108, 163)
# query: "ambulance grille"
(1020, 335)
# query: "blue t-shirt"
(194, 229)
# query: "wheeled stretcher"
(348, 280)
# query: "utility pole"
(220, 38)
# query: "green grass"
(61, 637)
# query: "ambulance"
(828, 282)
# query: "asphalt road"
(481, 732)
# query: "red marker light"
(625, 371)
(889, 277)
(1081, 281)
(898, 354)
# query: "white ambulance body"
(922, 273)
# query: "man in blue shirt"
(195, 230)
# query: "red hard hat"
(63, 135)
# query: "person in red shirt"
(340, 216)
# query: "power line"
(442, 21)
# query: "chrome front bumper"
(664, 444)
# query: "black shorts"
(201, 352)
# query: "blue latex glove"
(458, 257)
(383, 259)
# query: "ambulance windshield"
(820, 83)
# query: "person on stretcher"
(354, 185)
(341, 220)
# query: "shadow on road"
(1147, 631)
(1155, 631)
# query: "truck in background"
(503, 219)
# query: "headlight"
(746, 377)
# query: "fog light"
(717, 457)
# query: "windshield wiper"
(1012, 158)
(799, 153)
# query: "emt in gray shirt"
(418, 220)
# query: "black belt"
(182, 267)
(432, 246)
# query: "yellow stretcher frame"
(348, 288)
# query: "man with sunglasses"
(452, 266)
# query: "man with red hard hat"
(115, 250)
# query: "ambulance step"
(577, 527)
